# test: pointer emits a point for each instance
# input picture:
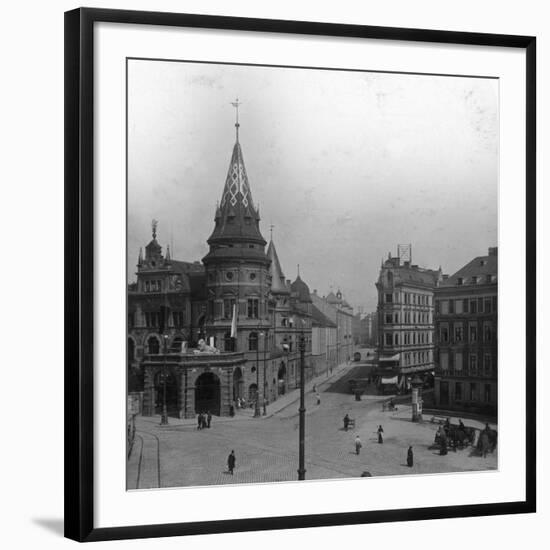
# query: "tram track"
(139, 434)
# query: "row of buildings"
(434, 324)
(211, 334)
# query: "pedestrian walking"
(203, 418)
(346, 422)
(358, 445)
(314, 388)
(231, 462)
(208, 420)
(318, 398)
(199, 422)
(380, 432)
(410, 457)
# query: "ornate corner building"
(237, 300)
(466, 329)
(405, 322)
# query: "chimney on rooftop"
(493, 251)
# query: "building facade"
(405, 319)
(466, 328)
(215, 334)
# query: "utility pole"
(302, 411)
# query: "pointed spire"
(278, 285)
(298, 270)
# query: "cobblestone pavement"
(267, 447)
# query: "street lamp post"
(265, 381)
(302, 410)
(164, 417)
(257, 404)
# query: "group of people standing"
(204, 420)
(379, 432)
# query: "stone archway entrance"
(172, 394)
(281, 379)
(207, 393)
(238, 384)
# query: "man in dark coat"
(231, 462)
(410, 457)
(346, 422)
(208, 420)
(199, 421)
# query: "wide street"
(266, 448)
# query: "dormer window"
(460, 281)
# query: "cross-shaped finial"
(271, 231)
(154, 224)
(236, 104)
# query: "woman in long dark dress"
(380, 432)
(410, 457)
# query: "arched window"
(253, 341)
(153, 345)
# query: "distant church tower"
(237, 267)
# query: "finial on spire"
(236, 104)
(298, 270)
(167, 253)
(154, 224)
(271, 232)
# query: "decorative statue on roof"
(203, 347)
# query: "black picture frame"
(79, 269)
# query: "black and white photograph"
(312, 273)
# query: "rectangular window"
(473, 391)
(389, 339)
(437, 306)
(389, 298)
(444, 307)
(178, 318)
(451, 306)
(444, 334)
(388, 319)
(459, 332)
(494, 304)
(487, 332)
(487, 364)
(480, 305)
(458, 306)
(458, 391)
(396, 339)
(458, 361)
(487, 305)
(444, 360)
(473, 364)
(473, 306)
(253, 308)
(473, 333)
(465, 305)
(487, 393)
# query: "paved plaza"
(267, 447)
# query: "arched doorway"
(238, 384)
(172, 394)
(281, 379)
(207, 393)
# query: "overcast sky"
(345, 165)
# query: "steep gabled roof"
(480, 267)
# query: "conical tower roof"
(278, 285)
(236, 217)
